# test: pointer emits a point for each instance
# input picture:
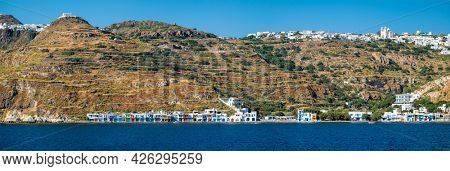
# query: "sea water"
(225, 137)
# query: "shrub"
(425, 71)
(192, 76)
(336, 115)
(382, 104)
(100, 45)
(310, 68)
(291, 100)
(264, 106)
(359, 46)
(275, 57)
(306, 58)
(376, 116)
(321, 66)
(68, 53)
(323, 80)
(431, 107)
(204, 62)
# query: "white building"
(444, 108)
(358, 116)
(269, 118)
(67, 15)
(386, 33)
(405, 98)
(394, 116)
(249, 117)
(303, 116)
(423, 110)
(237, 117)
(234, 102)
(405, 101)
(448, 41)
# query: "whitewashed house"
(394, 116)
(303, 116)
(234, 102)
(250, 116)
(358, 116)
(237, 117)
(405, 101)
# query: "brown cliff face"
(11, 39)
(387, 84)
(8, 93)
(403, 60)
(18, 101)
(367, 95)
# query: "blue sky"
(237, 18)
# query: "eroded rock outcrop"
(18, 103)
(10, 39)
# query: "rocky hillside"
(72, 68)
(69, 32)
(9, 38)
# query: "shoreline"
(257, 122)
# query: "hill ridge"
(9, 20)
(148, 30)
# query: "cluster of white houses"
(436, 42)
(420, 115)
(35, 27)
(208, 115)
(405, 112)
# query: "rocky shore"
(35, 119)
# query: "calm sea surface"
(222, 137)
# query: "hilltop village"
(436, 42)
(147, 72)
(16, 25)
